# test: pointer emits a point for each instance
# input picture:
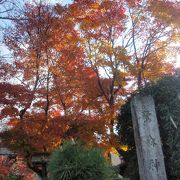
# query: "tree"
(50, 79)
(167, 11)
(71, 67)
(147, 40)
(123, 42)
(99, 30)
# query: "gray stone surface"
(147, 139)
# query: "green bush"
(13, 177)
(76, 162)
(166, 94)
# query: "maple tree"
(167, 11)
(45, 85)
(71, 67)
(147, 41)
(99, 28)
(122, 42)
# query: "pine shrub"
(73, 161)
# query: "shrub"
(73, 161)
(13, 177)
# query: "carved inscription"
(151, 141)
(154, 164)
(146, 115)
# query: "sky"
(64, 1)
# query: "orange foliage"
(166, 11)
(71, 66)
(15, 167)
(4, 167)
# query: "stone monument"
(147, 139)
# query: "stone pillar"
(147, 139)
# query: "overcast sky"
(64, 1)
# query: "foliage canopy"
(71, 66)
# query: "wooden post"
(147, 139)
